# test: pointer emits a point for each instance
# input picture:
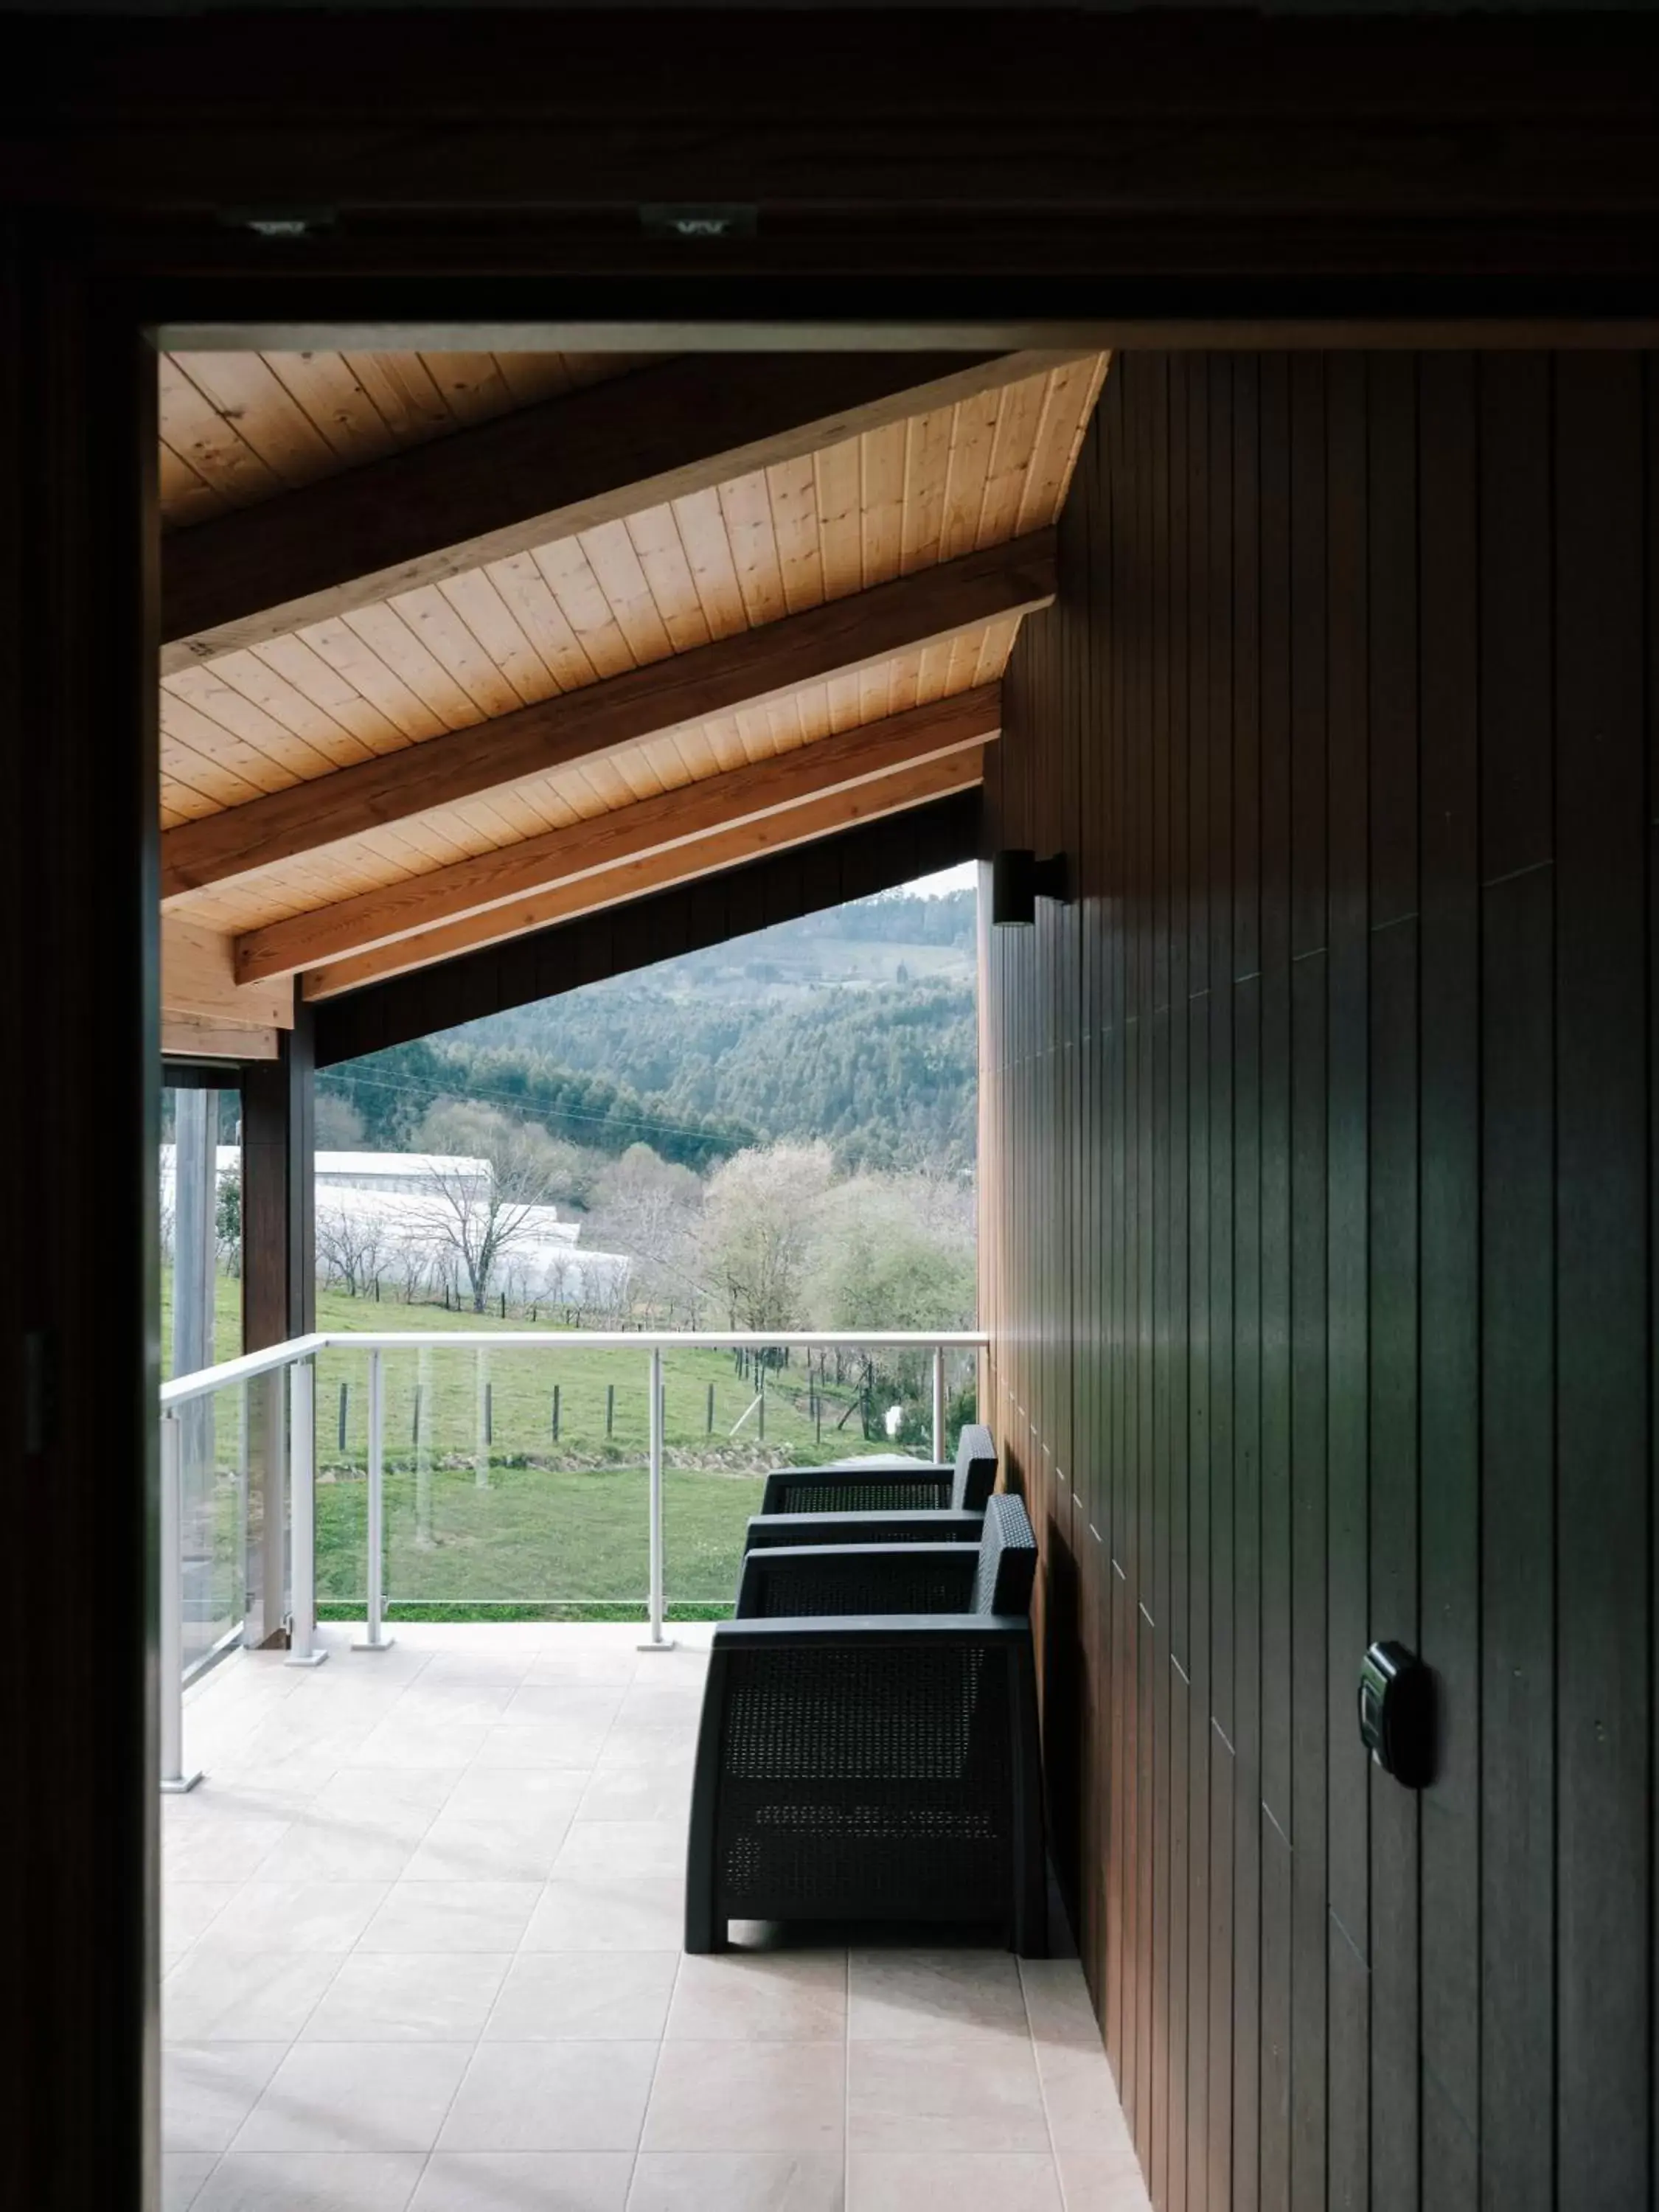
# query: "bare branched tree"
(351, 1246)
(487, 1183)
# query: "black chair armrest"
(808, 1581)
(996, 1631)
(928, 1527)
(863, 1487)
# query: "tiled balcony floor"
(422, 1946)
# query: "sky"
(963, 878)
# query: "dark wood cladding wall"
(853, 864)
(1320, 1137)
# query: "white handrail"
(205, 1379)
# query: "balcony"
(422, 1910)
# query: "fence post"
(302, 1471)
(174, 1780)
(374, 1637)
(938, 1405)
(656, 1641)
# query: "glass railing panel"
(515, 1483)
(212, 1523)
(342, 1481)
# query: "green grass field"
(488, 1515)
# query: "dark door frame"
(1228, 180)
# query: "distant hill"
(857, 1026)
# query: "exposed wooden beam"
(199, 980)
(779, 657)
(197, 1037)
(542, 473)
(680, 817)
(725, 848)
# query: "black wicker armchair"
(876, 1766)
(873, 1502)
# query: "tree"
(652, 1209)
(760, 1221)
(228, 1220)
(488, 1174)
(351, 1242)
(339, 1126)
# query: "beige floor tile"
(207, 2090)
(337, 2097)
(182, 2173)
(943, 2096)
(572, 1746)
(326, 1842)
(413, 1997)
(399, 1742)
(1058, 2003)
(218, 1846)
(1103, 2181)
(636, 1793)
(604, 1670)
(551, 2096)
(524, 2181)
(599, 1912)
(299, 1916)
(575, 1705)
(311, 2181)
(458, 1847)
(761, 1997)
(447, 1702)
(736, 2181)
(624, 1847)
(388, 1796)
(1081, 2099)
(224, 1993)
(935, 1994)
(479, 1665)
(451, 1916)
(967, 2181)
(584, 1996)
(662, 1746)
(784, 2096)
(525, 1794)
(188, 1909)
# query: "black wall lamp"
(1019, 879)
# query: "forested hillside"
(856, 1026)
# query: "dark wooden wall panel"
(1319, 1142)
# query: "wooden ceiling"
(452, 638)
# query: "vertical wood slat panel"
(1603, 1537)
(1344, 1071)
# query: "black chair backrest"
(1007, 1558)
(975, 1475)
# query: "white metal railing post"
(656, 1641)
(938, 1405)
(174, 1779)
(375, 1638)
(302, 1478)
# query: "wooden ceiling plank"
(657, 545)
(882, 455)
(398, 646)
(299, 665)
(840, 535)
(839, 637)
(746, 511)
(971, 440)
(618, 859)
(531, 377)
(186, 496)
(620, 576)
(195, 428)
(338, 646)
(702, 526)
(405, 398)
(480, 606)
(524, 592)
(211, 741)
(1019, 421)
(926, 465)
(429, 615)
(331, 394)
(266, 689)
(197, 1037)
(241, 388)
(198, 976)
(472, 385)
(792, 489)
(569, 576)
(535, 475)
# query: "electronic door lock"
(1396, 1713)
